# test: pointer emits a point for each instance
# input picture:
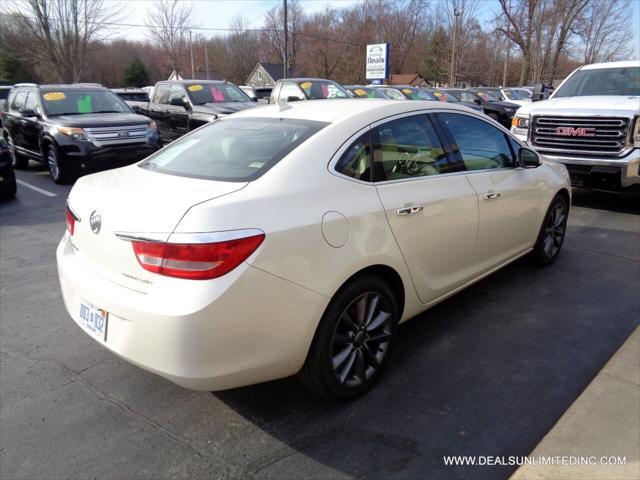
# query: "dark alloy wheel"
(353, 341)
(56, 166)
(18, 161)
(552, 232)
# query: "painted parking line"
(37, 189)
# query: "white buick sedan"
(294, 238)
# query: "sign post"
(377, 62)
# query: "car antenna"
(283, 104)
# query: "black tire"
(58, 169)
(18, 161)
(552, 232)
(348, 355)
(9, 189)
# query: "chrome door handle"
(409, 210)
(491, 195)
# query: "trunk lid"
(136, 202)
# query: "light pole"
(191, 54)
(506, 56)
(286, 41)
(452, 75)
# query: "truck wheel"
(551, 236)
(353, 341)
(57, 167)
(18, 161)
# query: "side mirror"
(538, 92)
(528, 158)
(477, 101)
(28, 112)
(178, 102)
(293, 99)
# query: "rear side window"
(481, 145)
(356, 160)
(408, 147)
(161, 94)
(19, 101)
(232, 149)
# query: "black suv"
(501, 112)
(74, 128)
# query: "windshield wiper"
(108, 111)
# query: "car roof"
(194, 82)
(337, 110)
(623, 64)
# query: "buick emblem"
(123, 134)
(95, 222)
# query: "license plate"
(93, 320)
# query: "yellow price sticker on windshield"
(306, 85)
(195, 88)
(437, 94)
(54, 96)
(408, 91)
(360, 92)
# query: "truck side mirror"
(538, 92)
(178, 102)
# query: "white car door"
(430, 205)
(508, 196)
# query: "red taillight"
(71, 219)
(195, 261)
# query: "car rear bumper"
(243, 328)
(614, 174)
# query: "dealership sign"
(378, 61)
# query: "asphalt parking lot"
(488, 372)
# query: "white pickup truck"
(590, 123)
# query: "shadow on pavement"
(487, 372)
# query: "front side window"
(481, 145)
(469, 97)
(80, 101)
(408, 147)
(19, 101)
(356, 160)
(161, 94)
(32, 102)
(215, 93)
(602, 81)
(289, 90)
(232, 149)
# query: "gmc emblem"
(576, 132)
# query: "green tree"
(12, 70)
(136, 74)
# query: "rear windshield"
(603, 81)
(75, 102)
(232, 149)
(318, 90)
(215, 93)
(517, 94)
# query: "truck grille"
(580, 136)
(117, 135)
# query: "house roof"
(276, 70)
(406, 79)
